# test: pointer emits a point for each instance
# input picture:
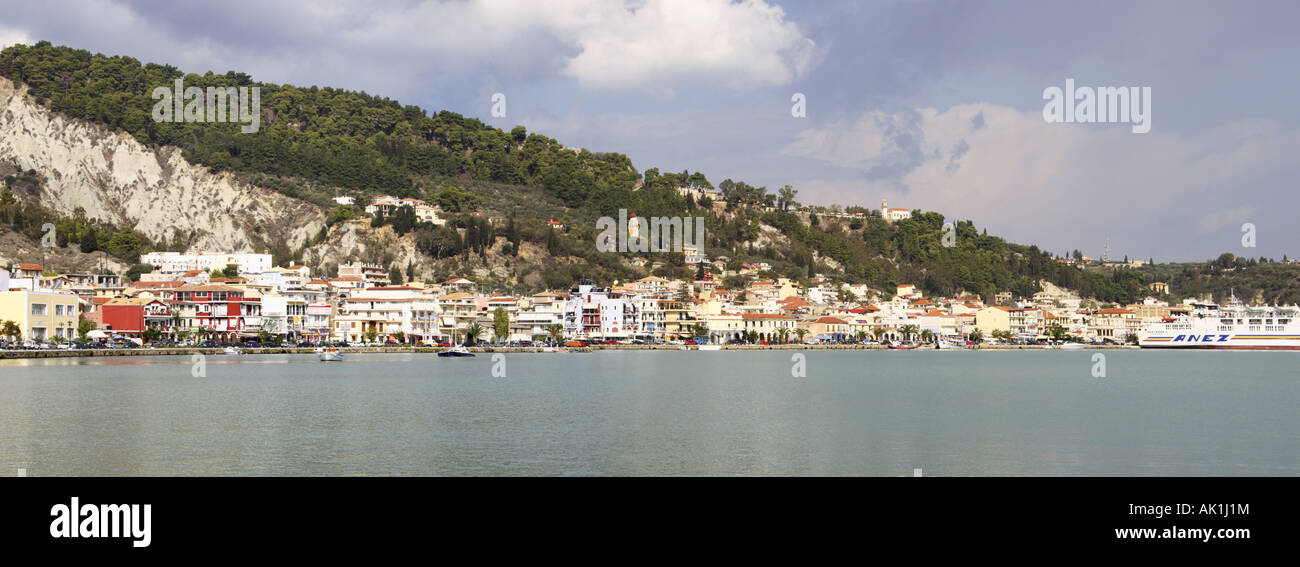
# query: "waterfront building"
(131, 316)
(41, 314)
(227, 312)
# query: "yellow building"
(41, 315)
(995, 318)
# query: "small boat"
(575, 344)
(710, 347)
(904, 347)
(456, 351)
(230, 350)
(1071, 346)
(330, 355)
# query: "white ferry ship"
(1234, 326)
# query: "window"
(39, 309)
(58, 310)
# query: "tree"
(231, 271)
(976, 336)
(472, 333)
(133, 273)
(927, 336)
(89, 241)
(783, 333)
(860, 336)
(879, 332)
(786, 197)
(555, 330)
(12, 330)
(395, 275)
(501, 323)
(371, 335)
(84, 327)
(907, 331)
(800, 331)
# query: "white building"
(177, 263)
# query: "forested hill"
(341, 138)
(317, 143)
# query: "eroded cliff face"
(114, 178)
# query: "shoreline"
(36, 354)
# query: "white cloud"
(610, 44)
(10, 36)
(1219, 220)
(1046, 183)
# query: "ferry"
(1229, 327)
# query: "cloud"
(614, 45)
(1219, 220)
(10, 36)
(1055, 184)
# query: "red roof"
(36, 267)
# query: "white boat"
(710, 347)
(943, 344)
(1231, 327)
(329, 355)
(1071, 346)
(230, 350)
(456, 351)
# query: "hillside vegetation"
(317, 143)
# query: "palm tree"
(472, 333)
(976, 336)
(860, 336)
(783, 333)
(879, 332)
(801, 332)
(927, 335)
(908, 331)
(555, 330)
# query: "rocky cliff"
(114, 178)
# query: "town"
(239, 298)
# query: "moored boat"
(330, 355)
(456, 351)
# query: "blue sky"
(931, 105)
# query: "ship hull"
(1224, 347)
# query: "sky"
(936, 106)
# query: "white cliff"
(113, 177)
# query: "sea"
(657, 413)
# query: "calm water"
(657, 413)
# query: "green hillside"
(317, 143)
